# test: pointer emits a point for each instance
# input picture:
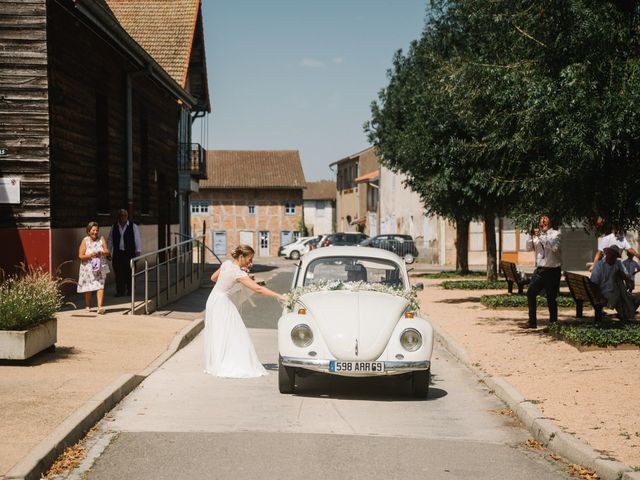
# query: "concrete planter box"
(23, 344)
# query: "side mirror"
(418, 286)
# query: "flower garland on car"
(294, 295)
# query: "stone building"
(251, 197)
(320, 207)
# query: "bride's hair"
(242, 251)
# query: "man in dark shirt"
(124, 244)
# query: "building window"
(252, 209)
(289, 208)
(199, 207)
(319, 208)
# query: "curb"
(75, 426)
(542, 428)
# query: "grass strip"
(507, 300)
(601, 334)
(473, 285)
(452, 274)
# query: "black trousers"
(549, 280)
(122, 272)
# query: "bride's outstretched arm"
(252, 285)
(216, 274)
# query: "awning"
(369, 177)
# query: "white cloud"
(311, 63)
(338, 60)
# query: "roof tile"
(322, 190)
(253, 169)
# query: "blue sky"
(300, 74)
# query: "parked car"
(345, 238)
(292, 250)
(401, 245)
(350, 313)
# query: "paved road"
(181, 423)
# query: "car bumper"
(390, 367)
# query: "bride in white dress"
(228, 350)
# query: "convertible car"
(353, 312)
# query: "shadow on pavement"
(50, 355)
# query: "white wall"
(401, 211)
(322, 223)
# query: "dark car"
(345, 238)
(401, 245)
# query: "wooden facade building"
(94, 118)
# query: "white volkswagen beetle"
(352, 312)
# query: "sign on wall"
(10, 190)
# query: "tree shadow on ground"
(456, 301)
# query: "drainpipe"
(129, 143)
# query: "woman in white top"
(228, 349)
(93, 252)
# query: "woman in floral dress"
(92, 253)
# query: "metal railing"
(175, 270)
(196, 239)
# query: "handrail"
(184, 252)
(195, 239)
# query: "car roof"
(351, 251)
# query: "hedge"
(600, 334)
(474, 285)
(452, 274)
(507, 300)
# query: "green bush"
(452, 274)
(473, 285)
(507, 300)
(28, 299)
(600, 334)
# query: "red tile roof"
(375, 175)
(322, 190)
(164, 28)
(253, 169)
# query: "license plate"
(356, 367)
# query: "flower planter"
(23, 344)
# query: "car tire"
(286, 378)
(420, 383)
(409, 258)
(294, 255)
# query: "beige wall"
(229, 212)
(319, 225)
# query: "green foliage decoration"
(507, 300)
(452, 274)
(599, 334)
(29, 298)
(473, 285)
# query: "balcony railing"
(192, 159)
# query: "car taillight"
(326, 243)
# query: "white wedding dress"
(228, 350)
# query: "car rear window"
(353, 269)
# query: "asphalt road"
(183, 424)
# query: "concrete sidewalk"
(51, 400)
(93, 351)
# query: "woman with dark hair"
(228, 349)
(93, 252)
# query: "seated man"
(610, 276)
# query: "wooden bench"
(582, 290)
(512, 276)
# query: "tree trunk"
(490, 238)
(462, 245)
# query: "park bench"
(582, 290)
(512, 276)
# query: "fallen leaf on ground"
(581, 472)
(535, 444)
(69, 460)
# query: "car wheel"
(295, 255)
(409, 258)
(420, 383)
(286, 378)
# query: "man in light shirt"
(616, 237)
(545, 242)
(610, 275)
(124, 244)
